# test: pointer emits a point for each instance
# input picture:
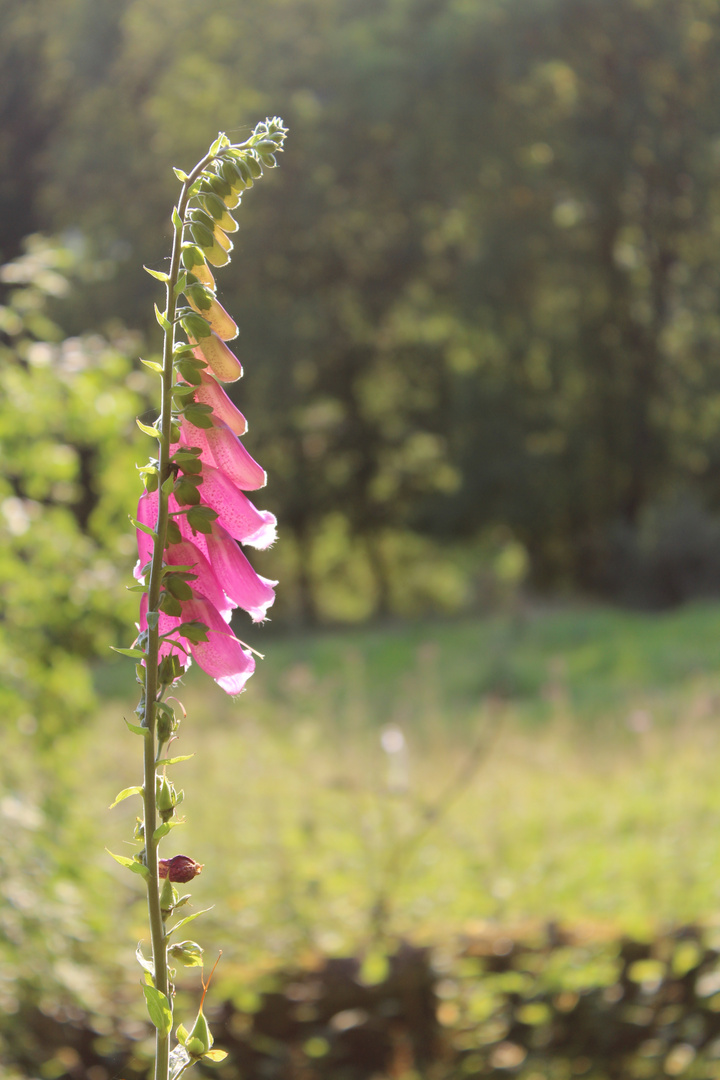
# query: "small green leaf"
(170, 606)
(162, 320)
(186, 920)
(200, 296)
(153, 618)
(144, 962)
(191, 373)
(202, 236)
(143, 528)
(176, 219)
(191, 255)
(159, 1009)
(134, 654)
(199, 415)
(195, 325)
(131, 864)
(164, 829)
(200, 519)
(180, 284)
(174, 536)
(178, 588)
(152, 431)
(125, 794)
(181, 392)
(182, 176)
(152, 365)
(182, 1034)
(214, 1055)
(222, 140)
(137, 729)
(174, 760)
(186, 493)
(157, 274)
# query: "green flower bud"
(212, 204)
(244, 169)
(220, 216)
(217, 254)
(254, 166)
(201, 234)
(191, 256)
(230, 172)
(164, 797)
(188, 953)
(200, 1039)
(168, 897)
(200, 217)
(217, 184)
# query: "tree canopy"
(479, 300)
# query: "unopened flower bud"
(200, 1039)
(165, 798)
(179, 868)
(189, 953)
(168, 896)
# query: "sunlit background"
(480, 326)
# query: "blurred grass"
(422, 779)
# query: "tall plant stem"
(152, 687)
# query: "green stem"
(152, 688)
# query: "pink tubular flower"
(221, 656)
(212, 564)
(211, 393)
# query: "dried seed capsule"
(179, 868)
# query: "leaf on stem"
(152, 365)
(136, 728)
(143, 528)
(186, 920)
(158, 274)
(135, 654)
(164, 829)
(130, 864)
(125, 794)
(144, 962)
(164, 322)
(151, 431)
(159, 1009)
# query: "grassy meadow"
(420, 780)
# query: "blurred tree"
(481, 293)
(68, 482)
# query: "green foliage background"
(479, 315)
(479, 300)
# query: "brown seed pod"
(180, 868)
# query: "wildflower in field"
(214, 471)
